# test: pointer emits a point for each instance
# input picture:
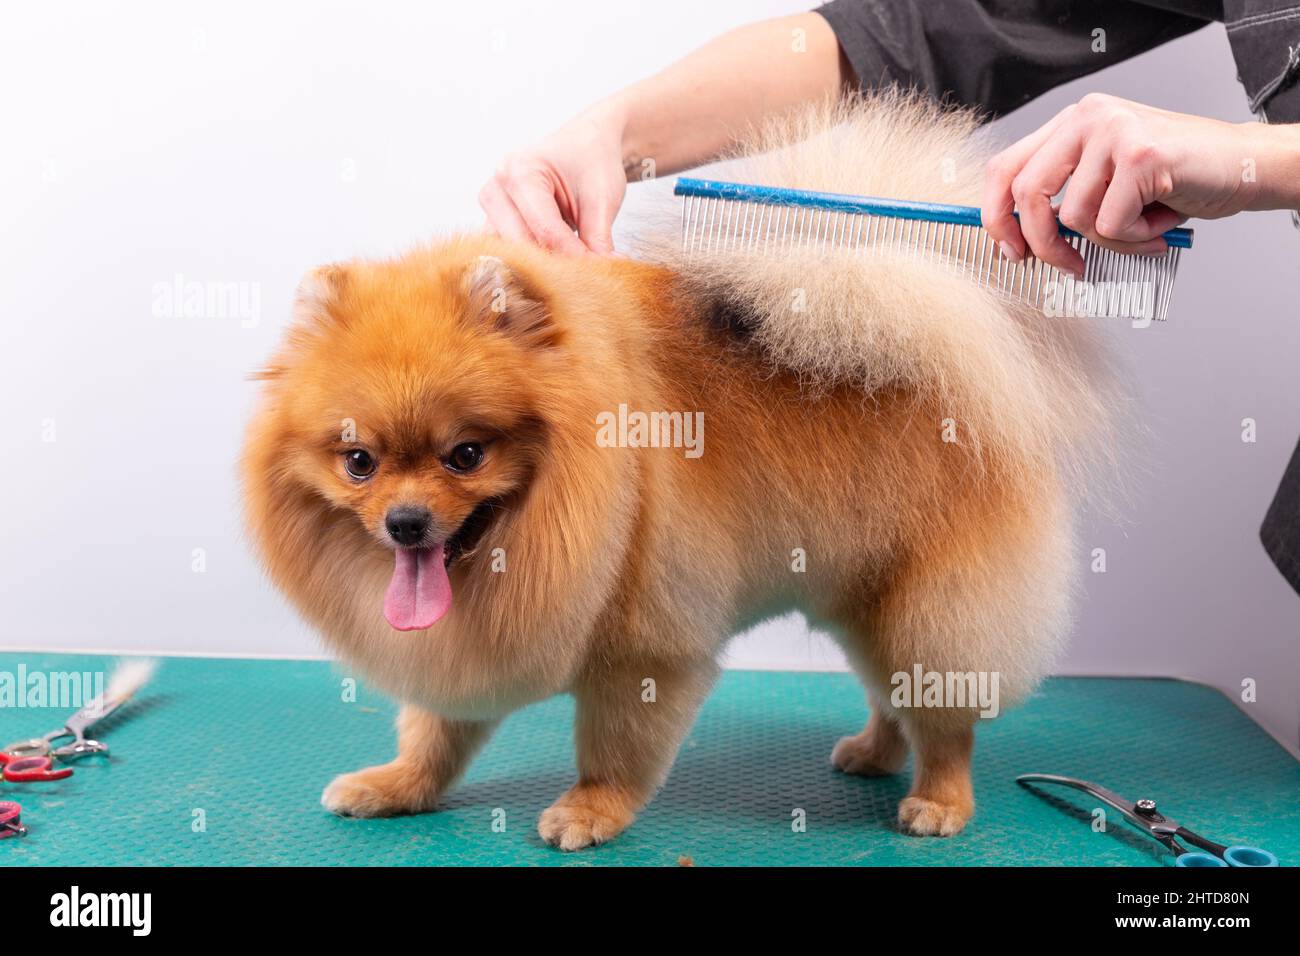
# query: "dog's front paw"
(922, 817)
(384, 791)
(585, 816)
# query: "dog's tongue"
(419, 593)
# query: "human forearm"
(575, 179)
(1271, 157)
(696, 108)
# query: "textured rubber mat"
(244, 747)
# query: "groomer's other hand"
(571, 180)
(1134, 172)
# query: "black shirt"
(998, 55)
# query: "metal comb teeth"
(1114, 285)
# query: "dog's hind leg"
(961, 628)
(941, 799)
(879, 750)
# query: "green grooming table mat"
(246, 746)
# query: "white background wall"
(243, 143)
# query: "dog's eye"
(359, 464)
(465, 457)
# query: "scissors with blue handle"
(1144, 815)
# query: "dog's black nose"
(408, 524)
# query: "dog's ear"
(503, 300)
(314, 308)
(318, 293)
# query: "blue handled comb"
(737, 217)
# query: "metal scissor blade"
(126, 680)
(1155, 824)
(87, 716)
(75, 728)
(95, 711)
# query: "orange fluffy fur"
(603, 567)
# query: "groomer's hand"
(572, 180)
(565, 192)
(1134, 172)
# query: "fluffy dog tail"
(1015, 384)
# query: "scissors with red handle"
(31, 768)
(19, 768)
(11, 821)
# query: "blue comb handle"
(840, 202)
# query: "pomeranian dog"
(490, 474)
